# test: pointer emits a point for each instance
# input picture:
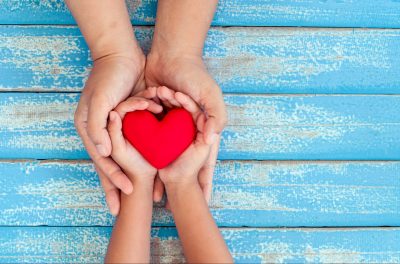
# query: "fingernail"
(101, 150)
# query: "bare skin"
(200, 237)
(130, 240)
(175, 61)
(119, 71)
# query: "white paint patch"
(264, 126)
(245, 200)
(66, 193)
(283, 56)
(45, 57)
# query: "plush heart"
(159, 142)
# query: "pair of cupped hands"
(184, 170)
(117, 85)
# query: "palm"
(190, 76)
(183, 75)
(136, 163)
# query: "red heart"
(159, 142)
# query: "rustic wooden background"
(309, 166)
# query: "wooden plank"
(242, 60)
(246, 193)
(40, 126)
(346, 13)
(89, 244)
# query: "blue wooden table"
(309, 165)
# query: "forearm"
(202, 242)
(130, 240)
(106, 27)
(182, 26)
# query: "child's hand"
(186, 168)
(189, 75)
(130, 160)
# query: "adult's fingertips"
(113, 203)
(158, 191)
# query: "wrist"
(164, 49)
(181, 186)
(108, 45)
(143, 181)
(181, 193)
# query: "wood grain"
(40, 126)
(89, 244)
(246, 193)
(345, 13)
(242, 60)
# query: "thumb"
(99, 109)
(114, 128)
(216, 118)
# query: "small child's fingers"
(189, 104)
(115, 131)
(154, 107)
(167, 97)
(132, 104)
(148, 93)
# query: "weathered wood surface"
(346, 13)
(89, 244)
(40, 126)
(242, 60)
(67, 193)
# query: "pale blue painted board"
(331, 127)
(242, 60)
(89, 244)
(344, 13)
(62, 193)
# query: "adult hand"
(188, 74)
(189, 163)
(112, 79)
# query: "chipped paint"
(258, 60)
(46, 58)
(68, 193)
(380, 13)
(261, 127)
(88, 244)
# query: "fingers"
(158, 191)
(137, 103)
(97, 124)
(149, 93)
(189, 104)
(207, 172)
(115, 131)
(111, 193)
(215, 108)
(110, 169)
(167, 97)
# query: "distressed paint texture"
(89, 244)
(65, 195)
(242, 60)
(344, 13)
(40, 125)
(246, 193)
